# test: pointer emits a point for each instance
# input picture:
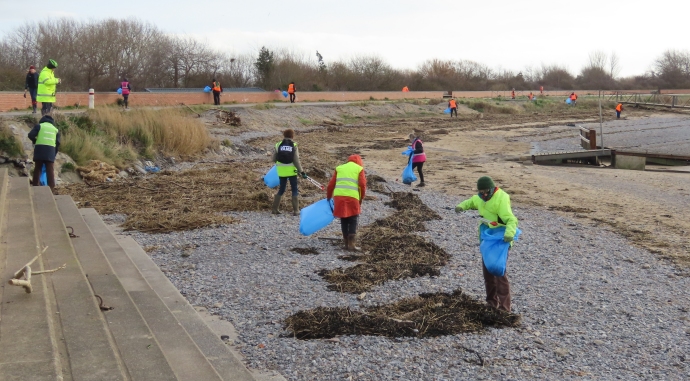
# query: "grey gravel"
(593, 306)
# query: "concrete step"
(92, 350)
(29, 348)
(228, 365)
(137, 345)
(184, 356)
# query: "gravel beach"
(593, 306)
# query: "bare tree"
(614, 65)
(597, 59)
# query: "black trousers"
(454, 110)
(349, 225)
(293, 185)
(292, 98)
(126, 98)
(419, 169)
(216, 98)
(46, 108)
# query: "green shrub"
(9, 144)
(67, 167)
(226, 143)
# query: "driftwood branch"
(25, 272)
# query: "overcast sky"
(503, 34)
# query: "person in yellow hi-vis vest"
(286, 157)
(46, 87)
(46, 138)
(347, 188)
(493, 205)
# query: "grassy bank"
(9, 144)
(117, 137)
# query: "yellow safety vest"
(46, 86)
(347, 180)
(47, 135)
(286, 170)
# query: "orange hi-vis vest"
(452, 103)
(291, 89)
(619, 107)
(216, 86)
(573, 97)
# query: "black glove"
(304, 175)
(25, 94)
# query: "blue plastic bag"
(447, 111)
(207, 89)
(119, 91)
(316, 217)
(408, 151)
(568, 101)
(285, 94)
(408, 175)
(494, 250)
(271, 178)
(44, 176)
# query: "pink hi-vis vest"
(125, 88)
(418, 157)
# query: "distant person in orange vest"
(291, 91)
(217, 89)
(453, 107)
(573, 99)
(619, 109)
(512, 93)
(126, 88)
(530, 96)
(541, 90)
(406, 90)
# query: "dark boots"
(295, 206)
(276, 204)
(351, 243)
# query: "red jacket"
(347, 206)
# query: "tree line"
(98, 54)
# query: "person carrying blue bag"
(347, 188)
(286, 157)
(493, 205)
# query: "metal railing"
(662, 100)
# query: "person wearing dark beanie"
(493, 205)
(46, 87)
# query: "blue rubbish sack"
(568, 101)
(494, 250)
(207, 89)
(447, 111)
(408, 151)
(271, 178)
(285, 94)
(152, 168)
(44, 176)
(119, 91)
(316, 217)
(408, 175)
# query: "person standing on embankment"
(619, 110)
(493, 205)
(31, 84)
(46, 87)
(46, 138)
(291, 91)
(286, 157)
(126, 88)
(217, 89)
(347, 188)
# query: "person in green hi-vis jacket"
(493, 205)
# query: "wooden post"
(592, 138)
